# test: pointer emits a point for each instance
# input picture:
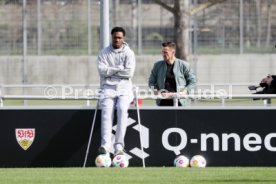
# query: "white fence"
(205, 92)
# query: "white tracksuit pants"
(116, 97)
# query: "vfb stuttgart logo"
(25, 137)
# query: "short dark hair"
(118, 29)
(170, 44)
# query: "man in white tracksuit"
(116, 65)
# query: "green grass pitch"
(132, 175)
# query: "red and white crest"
(25, 137)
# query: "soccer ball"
(120, 161)
(103, 160)
(181, 161)
(198, 161)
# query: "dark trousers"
(168, 102)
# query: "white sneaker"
(119, 149)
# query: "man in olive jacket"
(171, 76)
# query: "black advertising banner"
(59, 137)
(223, 137)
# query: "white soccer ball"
(198, 161)
(103, 160)
(120, 161)
(181, 161)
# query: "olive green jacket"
(184, 77)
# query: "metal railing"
(265, 97)
(195, 96)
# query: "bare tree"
(115, 12)
(268, 32)
(182, 12)
(134, 23)
(258, 25)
